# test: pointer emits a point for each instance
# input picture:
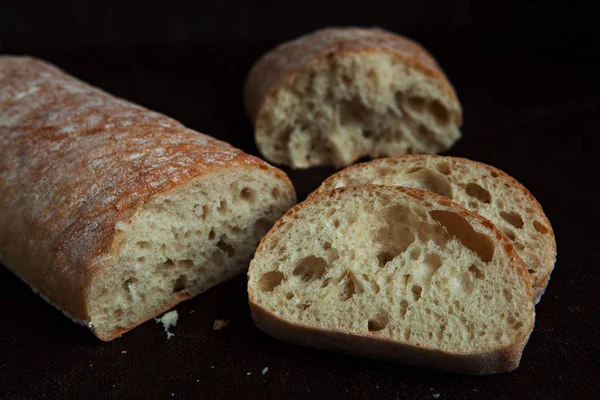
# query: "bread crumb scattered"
(265, 370)
(168, 320)
(248, 373)
(123, 351)
(212, 366)
(436, 395)
(219, 324)
(193, 311)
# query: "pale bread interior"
(477, 187)
(337, 109)
(184, 242)
(376, 262)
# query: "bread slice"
(337, 94)
(395, 273)
(476, 186)
(115, 213)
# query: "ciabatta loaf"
(476, 186)
(337, 94)
(114, 213)
(396, 273)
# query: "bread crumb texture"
(219, 324)
(168, 320)
(478, 187)
(344, 93)
(398, 264)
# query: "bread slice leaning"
(478, 187)
(394, 273)
(337, 94)
(114, 213)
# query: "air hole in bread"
(248, 194)
(444, 167)
(129, 282)
(403, 308)
(531, 271)
(473, 205)
(477, 272)
(310, 268)
(416, 104)
(141, 259)
(378, 323)
(415, 253)
(384, 257)
(416, 292)
(458, 226)
(289, 295)
(270, 280)
(222, 206)
(225, 247)
(541, 228)
(336, 223)
(467, 282)
(507, 294)
(201, 211)
(509, 233)
(144, 245)
(481, 194)
(326, 245)
(211, 234)
(512, 218)
(275, 193)
(118, 313)
(413, 170)
(180, 283)
(428, 179)
(439, 112)
(494, 174)
(433, 262)
(168, 264)
(326, 282)
(349, 290)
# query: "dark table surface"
(532, 115)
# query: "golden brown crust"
(75, 161)
(541, 278)
(269, 73)
(496, 361)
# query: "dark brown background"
(528, 78)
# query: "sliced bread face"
(185, 241)
(394, 273)
(338, 94)
(478, 187)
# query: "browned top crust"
(269, 71)
(75, 161)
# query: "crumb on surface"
(436, 395)
(168, 320)
(265, 370)
(219, 324)
(123, 351)
(248, 373)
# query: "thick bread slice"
(114, 213)
(394, 273)
(478, 187)
(337, 94)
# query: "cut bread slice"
(337, 94)
(394, 273)
(478, 187)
